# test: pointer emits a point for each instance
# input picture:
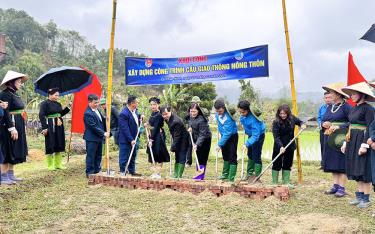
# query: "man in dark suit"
(95, 133)
(129, 125)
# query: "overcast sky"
(322, 32)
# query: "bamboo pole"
(109, 85)
(293, 89)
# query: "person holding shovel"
(201, 134)
(180, 139)
(227, 128)
(255, 129)
(283, 132)
(156, 139)
(130, 123)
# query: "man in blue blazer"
(129, 122)
(95, 134)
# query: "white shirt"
(135, 117)
(98, 114)
(223, 118)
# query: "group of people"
(189, 136)
(194, 135)
(347, 139)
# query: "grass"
(61, 201)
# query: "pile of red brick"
(219, 189)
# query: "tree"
(206, 92)
(248, 92)
(175, 96)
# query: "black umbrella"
(370, 34)
(67, 79)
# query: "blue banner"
(239, 64)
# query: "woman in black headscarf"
(50, 115)
(156, 138)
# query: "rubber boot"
(275, 177)
(202, 174)
(181, 168)
(286, 178)
(12, 177)
(58, 161)
(225, 174)
(50, 162)
(250, 168)
(232, 172)
(175, 173)
(258, 169)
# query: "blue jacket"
(94, 128)
(227, 129)
(128, 128)
(1, 112)
(321, 112)
(253, 128)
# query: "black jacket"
(179, 134)
(114, 117)
(201, 130)
(94, 127)
(283, 132)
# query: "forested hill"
(32, 48)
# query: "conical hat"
(361, 87)
(337, 87)
(12, 75)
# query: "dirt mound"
(36, 155)
(317, 223)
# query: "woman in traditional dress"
(200, 130)
(283, 132)
(3, 106)
(357, 153)
(335, 126)
(13, 132)
(156, 138)
(50, 115)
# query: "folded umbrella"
(67, 79)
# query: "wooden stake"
(293, 89)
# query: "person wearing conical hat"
(13, 133)
(227, 144)
(255, 130)
(335, 126)
(357, 152)
(50, 116)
